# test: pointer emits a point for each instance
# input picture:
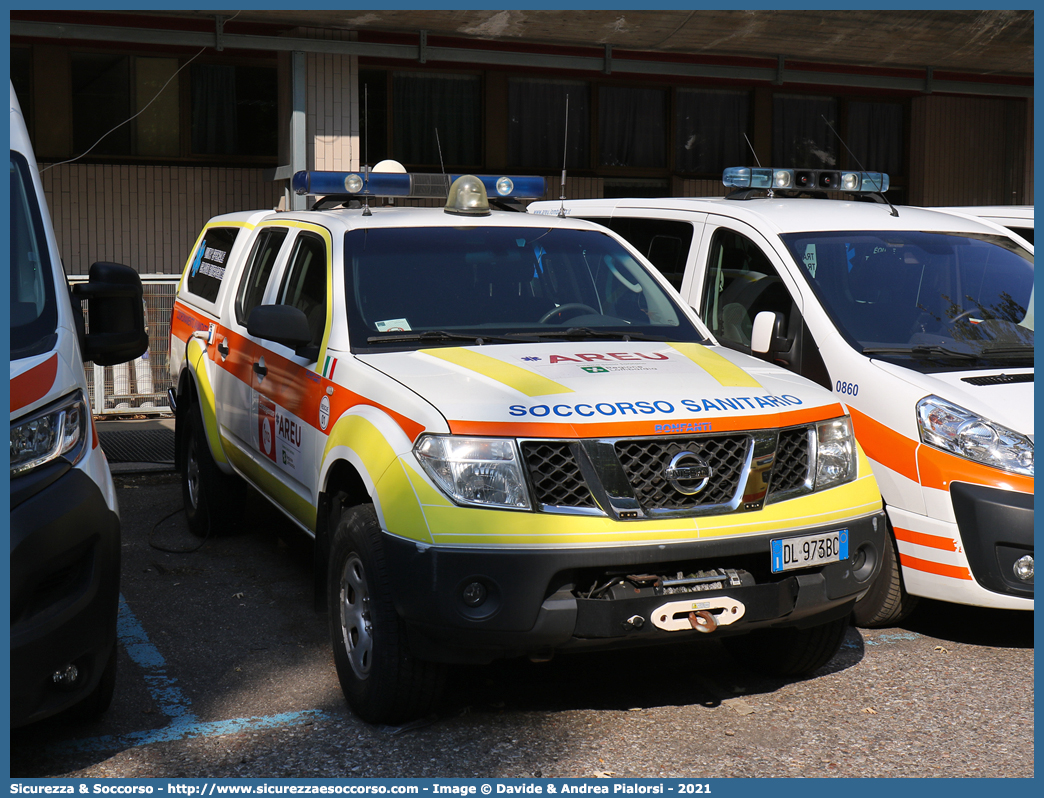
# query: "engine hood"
(1003, 396)
(584, 389)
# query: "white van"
(1017, 218)
(921, 322)
(65, 529)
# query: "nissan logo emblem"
(687, 473)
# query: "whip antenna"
(861, 168)
(565, 155)
(366, 148)
(439, 145)
(752, 152)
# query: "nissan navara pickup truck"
(919, 321)
(508, 437)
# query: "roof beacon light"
(822, 179)
(429, 186)
(467, 197)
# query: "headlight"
(835, 453)
(56, 431)
(954, 429)
(476, 471)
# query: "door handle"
(260, 369)
(222, 347)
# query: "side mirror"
(115, 318)
(768, 335)
(283, 324)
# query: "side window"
(208, 265)
(252, 289)
(304, 286)
(741, 282)
(663, 241)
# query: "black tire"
(210, 496)
(100, 698)
(381, 681)
(886, 602)
(789, 652)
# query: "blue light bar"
(823, 179)
(381, 184)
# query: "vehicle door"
(668, 241)
(735, 276)
(287, 388)
(234, 350)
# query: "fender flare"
(195, 356)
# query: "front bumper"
(533, 597)
(65, 577)
(996, 530)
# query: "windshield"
(34, 314)
(500, 284)
(944, 299)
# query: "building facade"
(225, 106)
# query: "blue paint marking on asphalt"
(172, 702)
(885, 638)
(891, 637)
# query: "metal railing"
(138, 387)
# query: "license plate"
(808, 550)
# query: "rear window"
(34, 312)
(208, 263)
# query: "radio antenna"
(439, 145)
(366, 148)
(752, 152)
(861, 168)
(565, 155)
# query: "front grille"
(555, 474)
(631, 473)
(793, 459)
(644, 462)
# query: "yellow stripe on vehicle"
(395, 494)
(275, 488)
(522, 380)
(724, 371)
(196, 353)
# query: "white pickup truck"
(508, 437)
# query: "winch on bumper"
(469, 605)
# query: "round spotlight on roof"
(467, 197)
(353, 184)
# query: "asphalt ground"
(225, 671)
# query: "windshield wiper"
(587, 332)
(442, 335)
(920, 350)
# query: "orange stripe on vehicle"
(938, 469)
(937, 568)
(885, 445)
(924, 539)
(184, 322)
(524, 429)
(34, 384)
(301, 389)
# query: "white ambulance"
(508, 437)
(65, 527)
(921, 322)
(1017, 218)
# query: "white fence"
(139, 387)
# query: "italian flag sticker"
(329, 366)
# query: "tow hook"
(703, 615)
(703, 621)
